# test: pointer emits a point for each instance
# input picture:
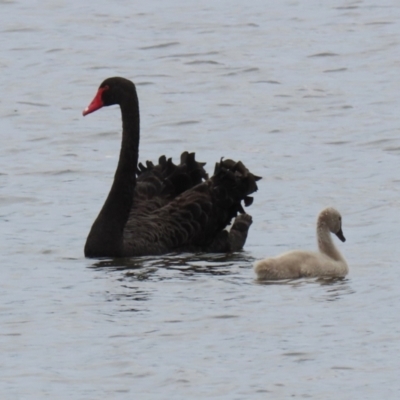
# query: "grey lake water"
(305, 93)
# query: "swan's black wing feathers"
(195, 219)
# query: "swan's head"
(111, 91)
(331, 218)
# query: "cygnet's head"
(332, 219)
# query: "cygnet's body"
(298, 263)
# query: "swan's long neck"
(106, 236)
(325, 243)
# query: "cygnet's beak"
(340, 235)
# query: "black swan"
(157, 209)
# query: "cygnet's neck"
(325, 243)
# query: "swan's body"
(299, 263)
(165, 208)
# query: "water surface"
(305, 94)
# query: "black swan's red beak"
(96, 103)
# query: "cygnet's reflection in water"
(334, 288)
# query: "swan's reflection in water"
(144, 268)
(138, 279)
